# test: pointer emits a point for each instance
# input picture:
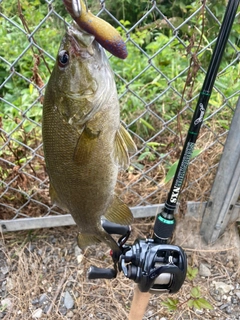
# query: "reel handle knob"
(114, 228)
(101, 273)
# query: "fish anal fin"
(87, 239)
(119, 212)
(85, 146)
(84, 240)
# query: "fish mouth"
(83, 44)
(79, 38)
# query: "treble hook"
(77, 7)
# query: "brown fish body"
(84, 143)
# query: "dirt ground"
(43, 275)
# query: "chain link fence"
(158, 85)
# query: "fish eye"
(63, 58)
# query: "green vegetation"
(143, 90)
(172, 169)
(23, 65)
(195, 300)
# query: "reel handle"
(101, 273)
(111, 228)
(114, 228)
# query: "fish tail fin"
(119, 212)
(87, 239)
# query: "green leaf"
(171, 172)
(195, 153)
(190, 303)
(153, 144)
(171, 304)
(143, 155)
(196, 305)
(204, 304)
(191, 272)
(139, 165)
(173, 168)
(147, 124)
(195, 292)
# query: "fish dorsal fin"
(123, 145)
(118, 212)
(86, 143)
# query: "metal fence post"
(221, 209)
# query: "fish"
(84, 141)
(104, 32)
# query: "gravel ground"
(43, 275)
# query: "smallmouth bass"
(104, 33)
(84, 142)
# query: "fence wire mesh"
(158, 85)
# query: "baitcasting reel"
(155, 267)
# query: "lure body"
(104, 33)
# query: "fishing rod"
(152, 263)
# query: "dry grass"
(44, 261)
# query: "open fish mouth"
(79, 36)
(82, 44)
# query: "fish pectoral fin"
(87, 239)
(123, 145)
(131, 146)
(55, 199)
(119, 212)
(86, 143)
